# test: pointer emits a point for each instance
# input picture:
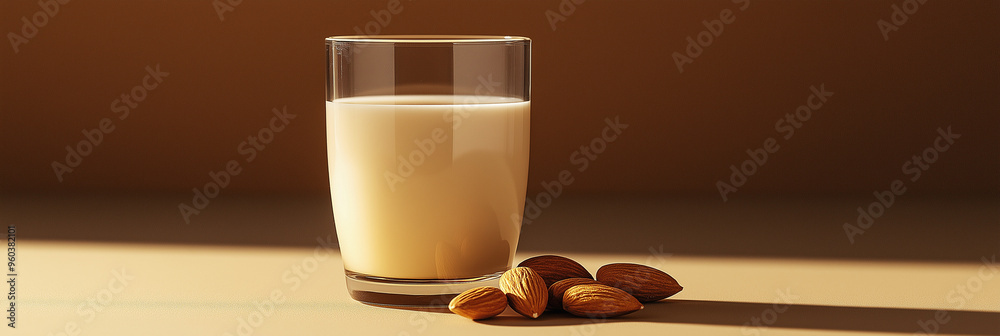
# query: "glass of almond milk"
(427, 144)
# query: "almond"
(645, 283)
(557, 289)
(598, 301)
(479, 303)
(526, 291)
(553, 268)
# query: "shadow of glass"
(439, 310)
(793, 316)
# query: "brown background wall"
(607, 59)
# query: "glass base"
(393, 292)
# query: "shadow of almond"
(797, 316)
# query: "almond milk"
(427, 186)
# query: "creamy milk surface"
(427, 186)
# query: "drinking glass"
(427, 145)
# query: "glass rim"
(456, 39)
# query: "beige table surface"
(208, 289)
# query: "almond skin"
(557, 290)
(553, 268)
(526, 291)
(479, 303)
(645, 283)
(599, 301)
